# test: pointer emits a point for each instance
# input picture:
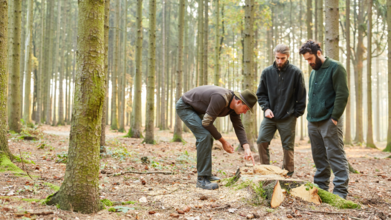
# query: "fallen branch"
(323, 212)
(34, 213)
(138, 172)
(336, 201)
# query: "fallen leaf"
(143, 199)
(180, 211)
(187, 209)
(250, 216)
(203, 198)
(289, 216)
(6, 209)
(151, 212)
(143, 182)
(174, 215)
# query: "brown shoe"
(263, 150)
(289, 162)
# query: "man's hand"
(227, 146)
(247, 153)
(335, 122)
(269, 114)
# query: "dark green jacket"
(328, 92)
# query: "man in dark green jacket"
(282, 96)
(327, 99)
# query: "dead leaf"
(143, 182)
(180, 211)
(203, 197)
(187, 209)
(6, 209)
(151, 212)
(174, 215)
(250, 216)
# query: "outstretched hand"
(248, 155)
(228, 147)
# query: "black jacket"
(283, 91)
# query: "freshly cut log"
(262, 170)
(277, 196)
(310, 195)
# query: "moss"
(112, 209)
(130, 134)
(122, 130)
(128, 202)
(176, 138)
(31, 200)
(45, 201)
(371, 146)
(229, 181)
(6, 165)
(107, 202)
(52, 186)
(17, 159)
(388, 147)
(336, 201)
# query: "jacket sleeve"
(341, 92)
(239, 128)
(262, 94)
(301, 96)
(216, 105)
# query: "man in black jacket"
(282, 95)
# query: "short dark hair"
(311, 46)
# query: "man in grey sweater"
(198, 109)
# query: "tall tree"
(28, 63)
(348, 135)
(217, 54)
(122, 73)
(206, 42)
(56, 64)
(63, 57)
(332, 29)
(106, 63)
(116, 66)
(200, 43)
(149, 119)
(248, 70)
(14, 116)
(135, 128)
(388, 147)
(48, 60)
(181, 22)
(319, 23)
(370, 142)
(80, 189)
(40, 70)
(4, 149)
(309, 25)
(163, 70)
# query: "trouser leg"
(287, 129)
(204, 139)
(266, 132)
(319, 155)
(333, 140)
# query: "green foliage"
(336, 201)
(176, 138)
(112, 209)
(184, 158)
(129, 202)
(107, 202)
(6, 165)
(52, 186)
(62, 157)
(309, 186)
(47, 200)
(120, 209)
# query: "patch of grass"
(52, 186)
(129, 202)
(6, 165)
(107, 202)
(62, 157)
(31, 200)
(112, 209)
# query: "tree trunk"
(29, 63)
(181, 22)
(163, 71)
(248, 70)
(106, 63)
(14, 116)
(80, 189)
(388, 147)
(4, 149)
(309, 28)
(348, 135)
(62, 57)
(56, 65)
(40, 74)
(319, 23)
(121, 111)
(149, 119)
(332, 29)
(135, 128)
(370, 142)
(115, 72)
(358, 68)
(48, 61)
(206, 43)
(200, 42)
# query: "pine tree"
(80, 189)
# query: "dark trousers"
(286, 128)
(204, 140)
(328, 154)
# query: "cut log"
(310, 195)
(262, 170)
(336, 201)
(275, 194)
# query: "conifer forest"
(88, 109)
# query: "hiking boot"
(213, 178)
(204, 183)
(263, 150)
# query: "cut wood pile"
(276, 184)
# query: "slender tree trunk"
(358, 68)
(377, 115)
(206, 42)
(181, 22)
(80, 189)
(149, 122)
(370, 142)
(48, 60)
(319, 23)
(163, 71)
(106, 63)
(201, 42)
(216, 77)
(388, 147)
(14, 117)
(62, 57)
(248, 71)
(309, 27)
(121, 112)
(56, 65)
(40, 74)
(28, 63)
(348, 135)
(135, 129)
(115, 72)
(4, 148)
(332, 29)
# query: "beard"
(280, 66)
(317, 64)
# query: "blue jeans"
(204, 140)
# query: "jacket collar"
(326, 63)
(284, 68)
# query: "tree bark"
(181, 22)
(319, 23)
(149, 119)
(135, 129)
(348, 135)
(163, 71)
(106, 63)
(200, 42)
(63, 56)
(121, 91)
(56, 65)
(28, 63)
(332, 29)
(115, 72)
(388, 147)
(80, 189)
(206, 43)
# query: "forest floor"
(157, 196)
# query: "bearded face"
(313, 60)
(317, 64)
